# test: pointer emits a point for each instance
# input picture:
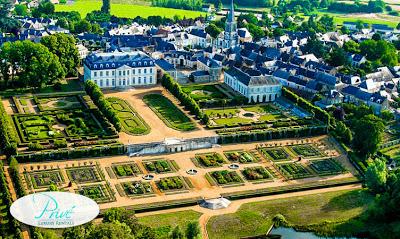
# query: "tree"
(338, 57)
(7, 23)
(386, 115)
(44, 9)
(366, 141)
(343, 132)
(177, 233)
(256, 31)
(111, 230)
(376, 175)
(105, 8)
(21, 10)
(64, 46)
(28, 64)
(351, 46)
(82, 26)
(192, 230)
(213, 30)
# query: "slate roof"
(104, 61)
(165, 65)
(209, 62)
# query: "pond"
(290, 233)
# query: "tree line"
(194, 5)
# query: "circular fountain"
(191, 171)
(234, 166)
(148, 177)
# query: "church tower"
(231, 35)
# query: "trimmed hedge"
(303, 103)
(104, 106)
(169, 83)
(8, 139)
(82, 152)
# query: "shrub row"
(94, 91)
(62, 154)
(8, 139)
(271, 134)
(169, 83)
(305, 104)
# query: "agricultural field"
(131, 121)
(169, 113)
(125, 10)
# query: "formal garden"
(85, 174)
(224, 178)
(240, 156)
(100, 193)
(128, 169)
(306, 150)
(137, 189)
(293, 170)
(159, 166)
(204, 92)
(44, 178)
(131, 121)
(53, 122)
(326, 167)
(276, 154)
(209, 160)
(172, 184)
(169, 113)
(257, 174)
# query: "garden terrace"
(209, 160)
(85, 174)
(44, 178)
(275, 153)
(306, 151)
(204, 92)
(225, 178)
(293, 170)
(326, 167)
(131, 121)
(101, 193)
(169, 113)
(159, 166)
(58, 103)
(239, 156)
(123, 170)
(171, 184)
(257, 174)
(137, 189)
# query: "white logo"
(54, 209)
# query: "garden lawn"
(256, 218)
(172, 116)
(131, 121)
(231, 121)
(392, 152)
(126, 10)
(203, 92)
(163, 222)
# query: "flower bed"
(256, 174)
(306, 150)
(101, 193)
(226, 177)
(293, 170)
(175, 183)
(158, 166)
(122, 170)
(210, 160)
(326, 167)
(275, 154)
(240, 156)
(84, 174)
(44, 178)
(137, 188)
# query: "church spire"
(231, 15)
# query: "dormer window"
(101, 65)
(113, 65)
(107, 65)
(145, 63)
(95, 66)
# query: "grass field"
(171, 115)
(256, 218)
(163, 223)
(126, 10)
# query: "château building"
(120, 69)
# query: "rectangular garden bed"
(137, 189)
(306, 150)
(257, 174)
(209, 160)
(293, 170)
(225, 178)
(159, 166)
(240, 156)
(275, 154)
(84, 174)
(101, 193)
(44, 178)
(172, 184)
(325, 167)
(123, 170)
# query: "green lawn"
(230, 121)
(163, 223)
(172, 116)
(203, 92)
(393, 152)
(131, 121)
(126, 10)
(256, 218)
(226, 111)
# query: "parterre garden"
(239, 156)
(122, 170)
(101, 193)
(169, 113)
(44, 178)
(172, 184)
(293, 170)
(209, 160)
(326, 167)
(131, 121)
(159, 166)
(85, 174)
(225, 177)
(137, 189)
(257, 174)
(58, 120)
